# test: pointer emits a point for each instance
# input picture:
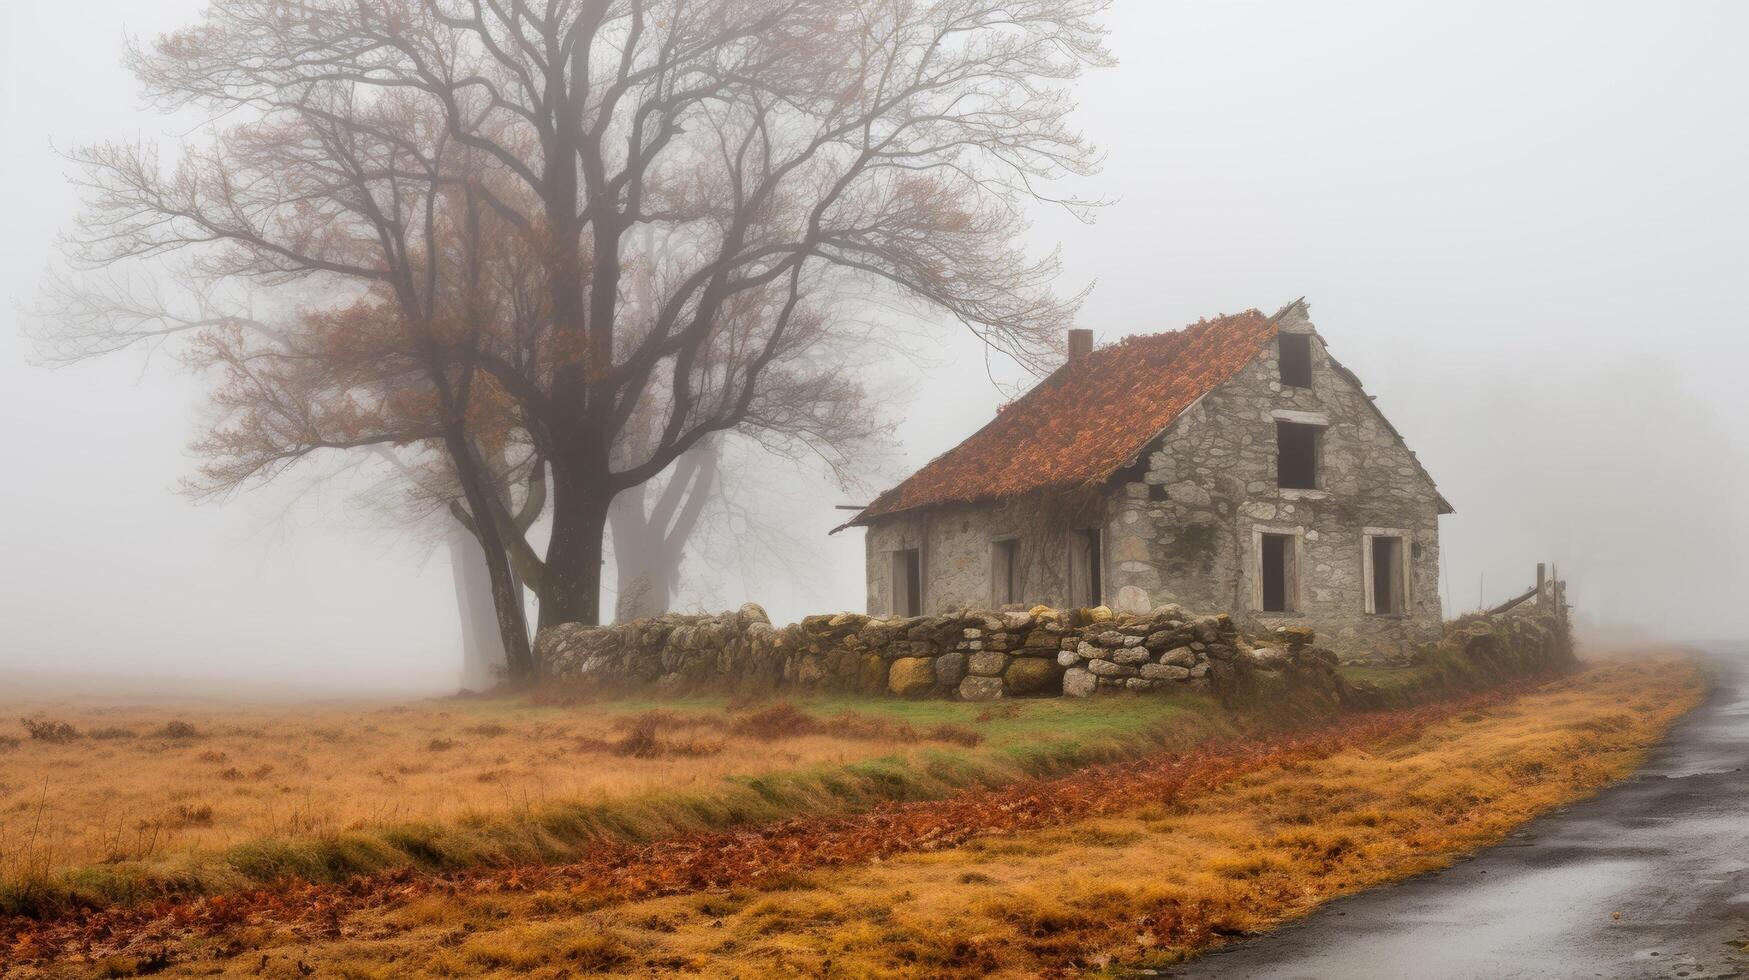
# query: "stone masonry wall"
(981, 656)
(973, 656)
(954, 544)
(1187, 530)
(1183, 527)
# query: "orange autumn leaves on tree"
(342, 379)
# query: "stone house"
(1233, 464)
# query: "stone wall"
(986, 655)
(955, 547)
(1187, 530)
(974, 656)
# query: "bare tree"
(359, 195)
(788, 146)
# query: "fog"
(1523, 226)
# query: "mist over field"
(1523, 228)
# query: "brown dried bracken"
(49, 730)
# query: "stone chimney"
(1080, 344)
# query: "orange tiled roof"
(1087, 420)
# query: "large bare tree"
(785, 150)
(785, 142)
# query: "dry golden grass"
(1148, 886)
(150, 783)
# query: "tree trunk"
(483, 660)
(571, 582)
(506, 590)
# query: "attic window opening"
(1296, 456)
(1276, 572)
(1005, 571)
(1296, 360)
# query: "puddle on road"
(1526, 922)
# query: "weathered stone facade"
(1185, 524)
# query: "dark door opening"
(1387, 576)
(908, 583)
(1276, 560)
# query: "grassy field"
(1265, 845)
(99, 803)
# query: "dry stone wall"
(972, 655)
(991, 654)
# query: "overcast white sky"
(1525, 226)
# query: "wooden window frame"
(1407, 574)
(1294, 584)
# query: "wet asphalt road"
(1668, 850)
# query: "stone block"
(975, 688)
(1270, 658)
(1030, 675)
(1165, 672)
(1129, 547)
(1068, 658)
(949, 669)
(1295, 636)
(1078, 682)
(1105, 668)
(1132, 656)
(1179, 657)
(987, 663)
(911, 676)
